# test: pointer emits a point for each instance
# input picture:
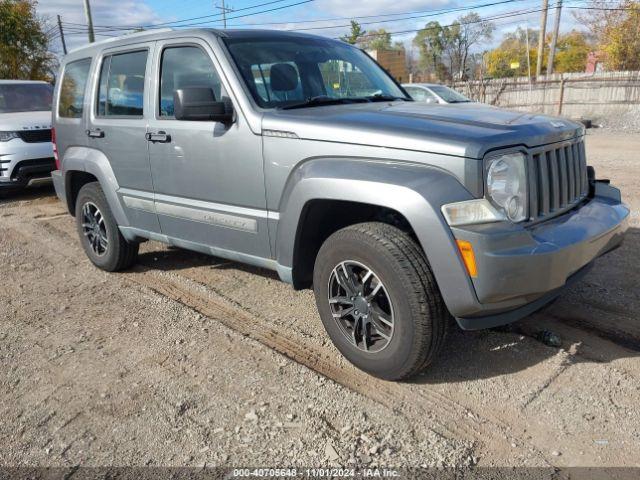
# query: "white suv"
(26, 151)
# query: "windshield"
(25, 97)
(281, 72)
(449, 95)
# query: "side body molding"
(415, 191)
(96, 163)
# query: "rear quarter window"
(74, 82)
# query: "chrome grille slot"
(558, 179)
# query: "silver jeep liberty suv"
(300, 154)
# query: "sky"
(322, 17)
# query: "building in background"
(393, 61)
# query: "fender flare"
(96, 163)
(415, 191)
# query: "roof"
(9, 82)
(161, 33)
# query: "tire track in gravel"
(426, 406)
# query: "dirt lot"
(191, 360)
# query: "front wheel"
(378, 300)
(99, 234)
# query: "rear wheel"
(378, 300)
(99, 234)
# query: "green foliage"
(572, 50)
(445, 50)
(430, 43)
(620, 41)
(513, 49)
(377, 40)
(355, 34)
(24, 44)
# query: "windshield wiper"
(322, 100)
(382, 97)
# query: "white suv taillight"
(55, 148)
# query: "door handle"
(95, 133)
(161, 137)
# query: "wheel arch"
(410, 192)
(82, 165)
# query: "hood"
(466, 131)
(25, 121)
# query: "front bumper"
(520, 269)
(23, 163)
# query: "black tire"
(119, 253)
(420, 317)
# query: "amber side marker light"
(468, 257)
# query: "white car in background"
(26, 150)
(434, 93)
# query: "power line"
(485, 19)
(427, 13)
(174, 22)
(81, 28)
(441, 11)
(410, 17)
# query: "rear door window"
(121, 88)
(72, 89)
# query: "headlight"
(507, 185)
(6, 136)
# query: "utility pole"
(526, 32)
(64, 45)
(87, 12)
(543, 32)
(554, 39)
(224, 13)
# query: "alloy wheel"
(361, 306)
(94, 228)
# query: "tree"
(621, 40)
(572, 52)
(376, 40)
(355, 34)
(615, 30)
(24, 45)
(513, 50)
(430, 43)
(460, 37)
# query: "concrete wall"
(576, 95)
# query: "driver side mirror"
(199, 104)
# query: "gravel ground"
(189, 360)
(628, 122)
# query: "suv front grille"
(35, 136)
(557, 179)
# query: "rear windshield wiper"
(322, 100)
